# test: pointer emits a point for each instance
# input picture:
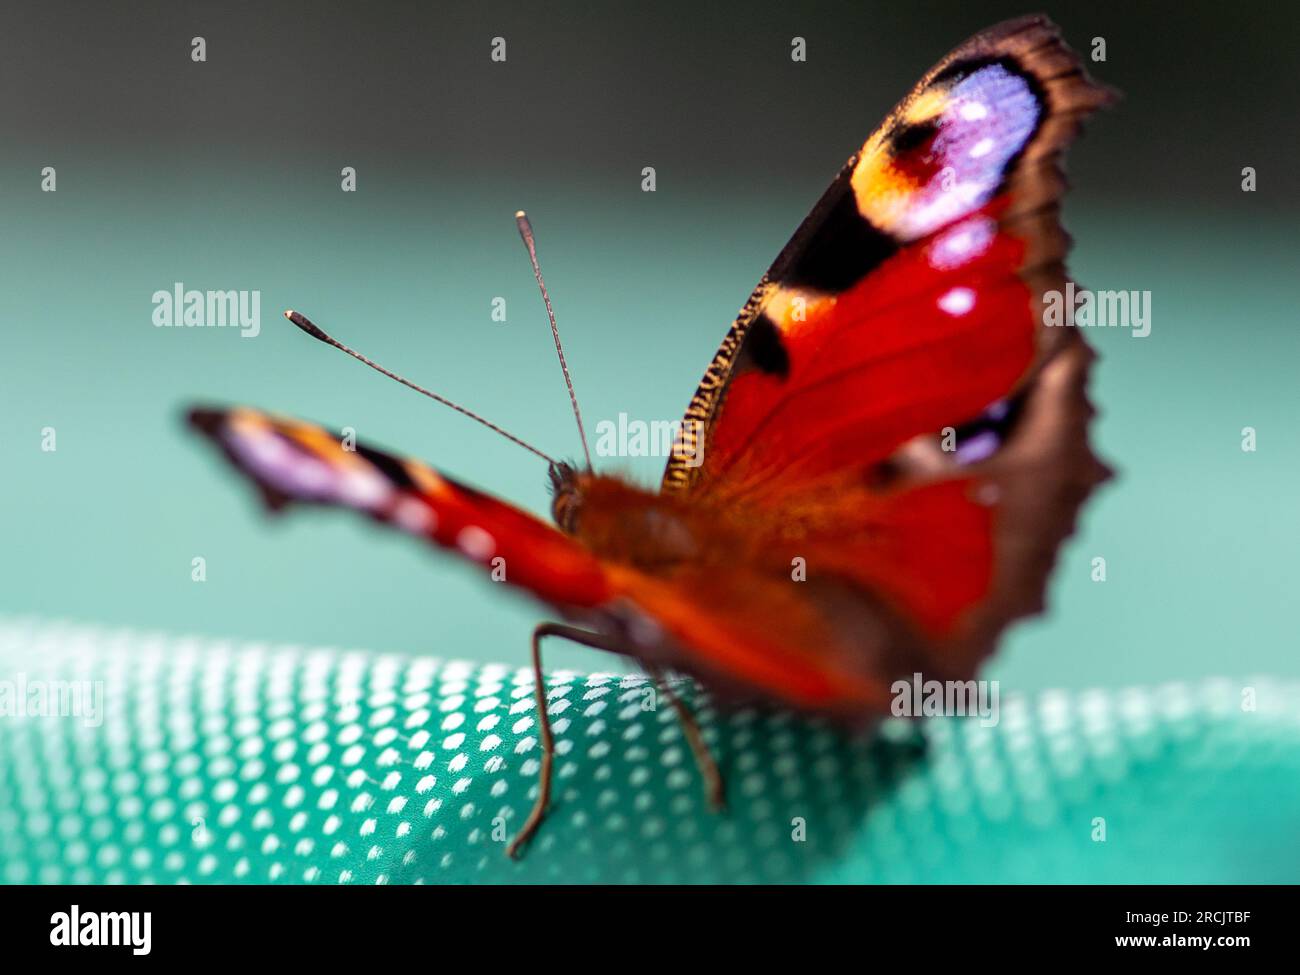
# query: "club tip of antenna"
(306, 324)
(520, 215)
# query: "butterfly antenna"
(526, 232)
(306, 324)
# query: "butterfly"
(881, 461)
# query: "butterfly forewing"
(909, 298)
(292, 461)
(889, 405)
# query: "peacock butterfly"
(888, 410)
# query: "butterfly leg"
(587, 639)
(714, 787)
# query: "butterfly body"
(657, 533)
(880, 463)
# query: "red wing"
(293, 461)
(947, 551)
(745, 627)
(910, 298)
(889, 406)
(748, 633)
(760, 645)
(918, 572)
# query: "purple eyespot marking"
(979, 447)
(277, 464)
(990, 115)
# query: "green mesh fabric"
(219, 762)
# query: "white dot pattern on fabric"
(222, 763)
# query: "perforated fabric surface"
(221, 762)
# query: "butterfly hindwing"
(948, 554)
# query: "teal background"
(225, 175)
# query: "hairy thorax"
(624, 523)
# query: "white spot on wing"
(476, 543)
(957, 301)
(962, 243)
(415, 516)
(363, 489)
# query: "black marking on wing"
(389, 466)
(764, 350)
(843, 249)
(908, 137)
